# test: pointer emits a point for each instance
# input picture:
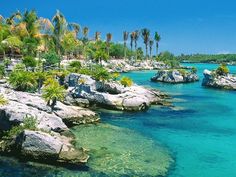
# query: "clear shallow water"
(200, 133)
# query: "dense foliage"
(126, 81)
(204, 58)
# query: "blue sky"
(186, 26)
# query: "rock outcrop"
(113, 95)
(174, 76)
(50, 142)
(211, 79)
(21, 104)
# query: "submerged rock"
(211, 79)
(175, 76)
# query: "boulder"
(42, 146)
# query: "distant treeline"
(205, 58)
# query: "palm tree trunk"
(157, 49)
(125, 50)
(146, 52)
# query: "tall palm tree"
(151, 42)
(145, 35)
(2, 19)
(136, 37)
(97, 36)
(30, 18)
(85, 32)
(75, 27)
(125, 38)
(157, 38)
(108, 41)
(12, 19)
(46, 30)
(60, 28)
(85, 39)
(132, 40)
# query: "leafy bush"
(3, 101)
(2, 71)
(194, 70)
(115, 76)
(23, 81)
(101, 75)
(74, 66)
(29, 123)
(29, 61)
(53, 92)
(222, 70)
(51, 58)
(97, 72)
(126, 81)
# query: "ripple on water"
(118, 151)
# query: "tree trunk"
(146, 52)
(125, 50)
(157, 50)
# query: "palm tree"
(75, 27)
(125, 38)
(132, 40)
(2, 19)
(85, 32)
(157, 38)
(85, 39)
(15, 16)
(46, 29)
(145, 35)
(31, 20)
(60, 28)
(108, 40)
(151, 42)
(97, 36)
(136, 37)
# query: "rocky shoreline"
(51, 141)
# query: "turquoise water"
(199, 133)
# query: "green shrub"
(29, 123)
(126, 81)
(182, 72)
(74, 66)
(194, 70)
(3, 101)
(53, 92)
(97, 72)
(222, 70)
(29, 61)
(2, 71)
(51, 58)
(115, 76)
(23, 81)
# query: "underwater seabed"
(119, 151)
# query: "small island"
(219, 78)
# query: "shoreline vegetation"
(52, 73)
